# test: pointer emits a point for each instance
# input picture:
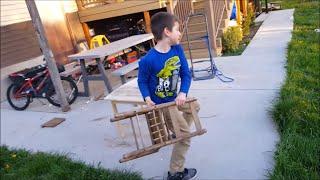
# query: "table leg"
(118, 126)
(85, 77)
(123, 79)
(103, 74)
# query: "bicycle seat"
(34, 71)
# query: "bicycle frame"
(28, 85)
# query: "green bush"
(231, 39)
(251, 14)
(248, 21)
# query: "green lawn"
(21, 164)
(297, 111)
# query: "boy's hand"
(181, 99)
(149, 101)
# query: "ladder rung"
(200, 61)
(204, 77)
(158, 138)
(201, 70)
(154, 125)
(155, 132)
(153, 119)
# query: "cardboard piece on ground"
(99, 96)
(53, 122)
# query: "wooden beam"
(75, 27)
(148, 21)
(211, 21)
(257, 5)
(47, 52)
(106, 11)
(85, 28)
(169, 5)
(239, 19)
(244, 6)
(79, 5)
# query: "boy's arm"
(184, 72)
(143, 77)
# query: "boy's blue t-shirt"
(159, 74)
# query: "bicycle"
(36, 83)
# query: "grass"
(21, 164)
(297, 110)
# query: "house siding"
(18, 39)
(19, 45)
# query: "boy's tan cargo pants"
(180, 148)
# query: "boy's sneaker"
(187, 174)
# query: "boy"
(158, 76)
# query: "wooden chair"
(158, 126)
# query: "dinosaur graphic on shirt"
(165, 87)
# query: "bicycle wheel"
(69, 87)
(19, 101)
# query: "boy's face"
(174, 35)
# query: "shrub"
(251, 14)
(231, 39)
(248, 21)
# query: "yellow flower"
(7, 166)
(13, 155)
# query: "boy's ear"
(166, 31)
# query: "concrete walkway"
(241, 137)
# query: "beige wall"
(13, 12)
(19, 44)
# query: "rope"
(215, 69)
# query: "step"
(197, 19)
(198, 53)
(200, 10)
(197, 27)
(199, 4)
(194, 35)
(197, 44)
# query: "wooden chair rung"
(158, 132)
(154, 125)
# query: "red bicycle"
(36, 83)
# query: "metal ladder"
(212, 71)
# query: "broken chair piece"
(163, 129)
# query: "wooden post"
(192, 7)
(258, 6)
(53, 70)
(86, 32)
(79, 5)
(211, 24)
(169, 5)
(148, 21)
(244, 6)
(239, 19)
(266, 1)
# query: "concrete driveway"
(241, 137)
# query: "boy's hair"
(160, 21)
